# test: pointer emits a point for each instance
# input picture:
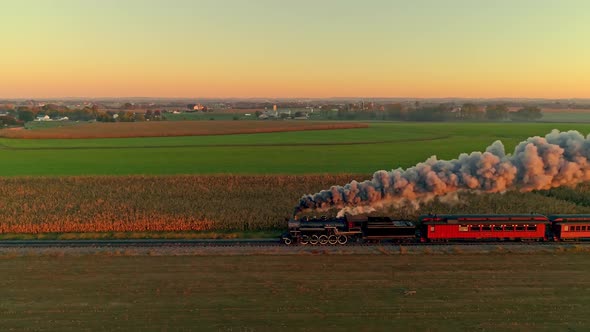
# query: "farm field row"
(364, 133)
(171, 128)
(209, 206)
(507, 292)
(363, 150)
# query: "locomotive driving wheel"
(332, 239)
(304, 240)
(314, 240)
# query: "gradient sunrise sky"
(303, 48)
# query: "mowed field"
(458, 292)
(361, 150)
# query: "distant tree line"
(127, 116)
(25, 113)
(440, 112)
(21, 114)
(10, 120)
(14, 116)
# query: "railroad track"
(245, 243)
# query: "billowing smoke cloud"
(558, 159)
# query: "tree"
(394, 112)
(85, 114)
(126, 116)
(104, 117)
(50, 107)
(527, 113)
(344, 114)
(9, 120)
(112, 116)
(496, 112)
(148, 115)
(471, 112)
(430, 113)
(53, 113)
(26, 115)
(6, 107)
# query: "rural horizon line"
(3, 98)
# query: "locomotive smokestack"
(558, 159)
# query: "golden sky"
(264, 48)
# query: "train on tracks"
(437, 228)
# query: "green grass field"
(381, 146)
(459, 292)
(575, 117)
(36, 125)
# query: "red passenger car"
(440, 228)
(570, 226)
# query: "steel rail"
(250, 243)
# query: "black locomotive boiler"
(342, 230)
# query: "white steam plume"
(558, 159)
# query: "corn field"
(165, 203)
(211, 203)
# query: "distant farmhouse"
(43, 118)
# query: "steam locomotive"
(437, 228)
